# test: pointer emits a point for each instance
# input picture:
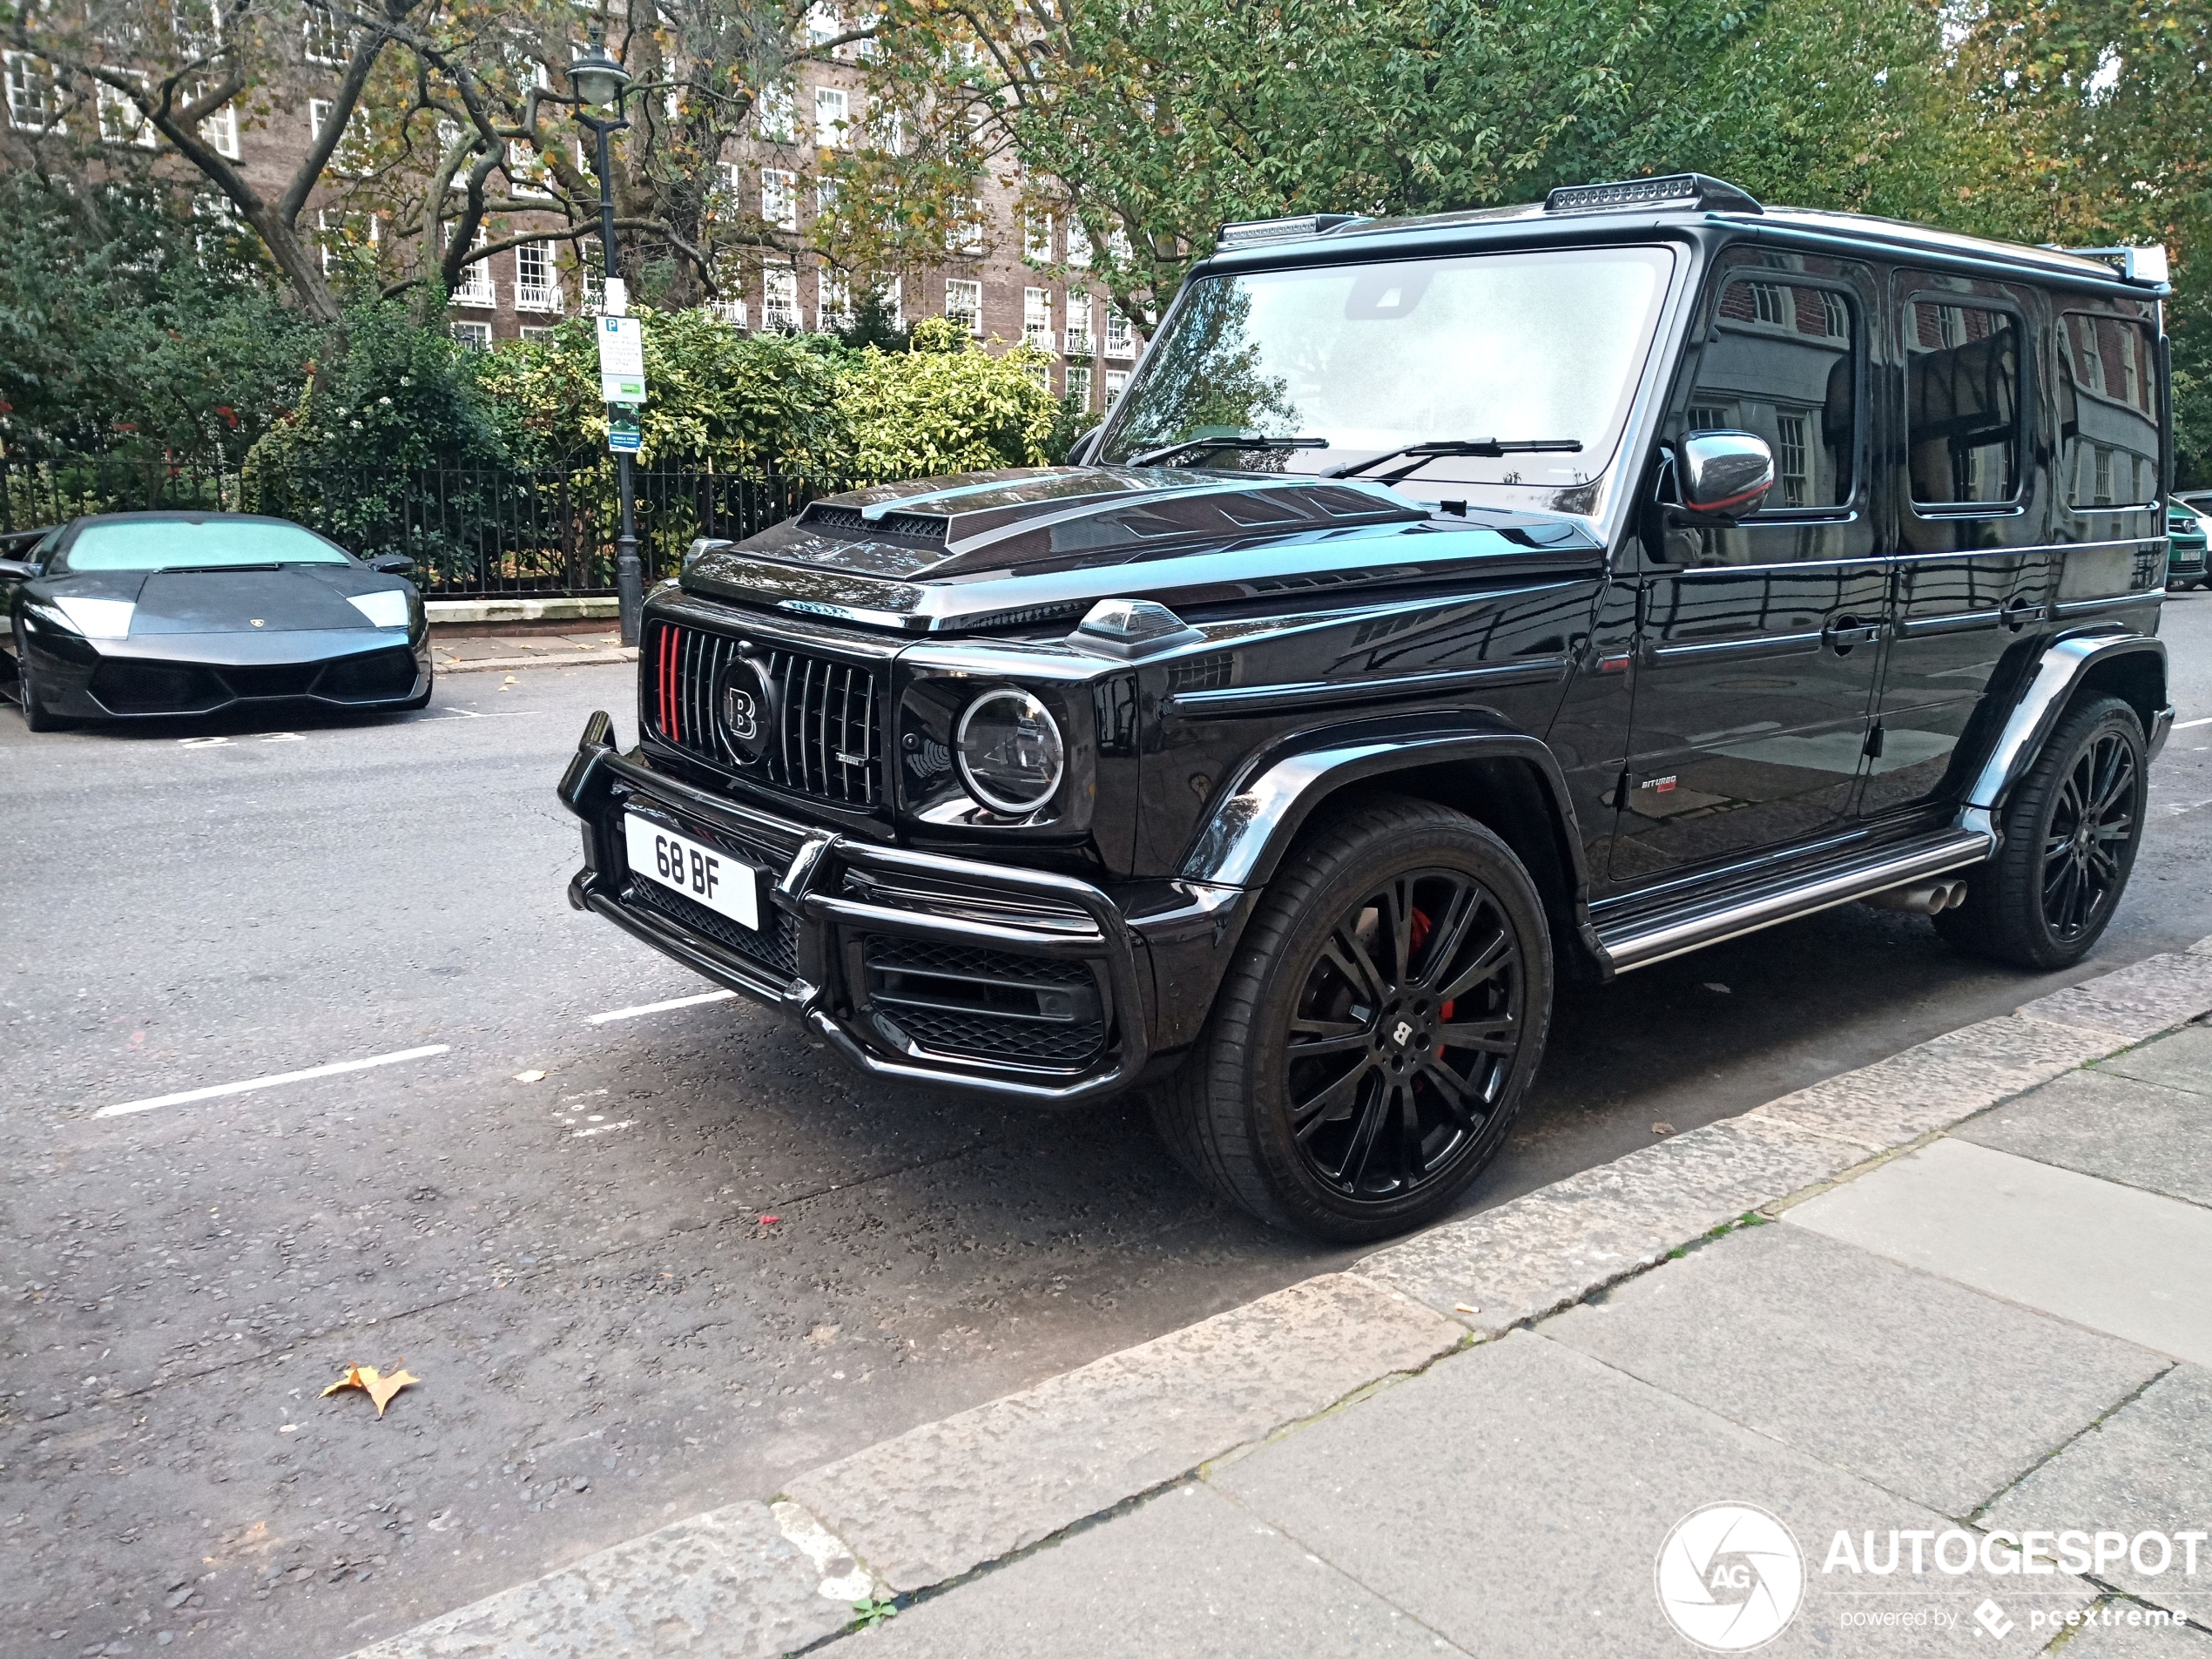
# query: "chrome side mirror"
(1725, 476)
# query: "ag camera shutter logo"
(1729, 1577)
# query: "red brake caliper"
(1421, 925)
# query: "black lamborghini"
(127, 616)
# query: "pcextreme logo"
(1729, 1577)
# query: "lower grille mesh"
(974, 1004)
(772, 946)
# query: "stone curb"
(449, 612)
(624, 654)
(943, 1499)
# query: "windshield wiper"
(1490, 449)
(1201, 445)
(210, 569)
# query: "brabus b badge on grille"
(747, 709)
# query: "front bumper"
(983, 977)
(165, 675)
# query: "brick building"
(1001, 282)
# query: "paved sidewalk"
(1915, 1361)
(466, 653)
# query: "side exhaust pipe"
(1920, 898)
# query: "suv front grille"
(826, 739)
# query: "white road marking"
(603, 1128)
(200, 743)
(251, 1084)
(660, 1008)
(2190, 725)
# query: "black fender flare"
(1274, 792)
(2064, 668)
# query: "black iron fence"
(472, 530)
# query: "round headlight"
(1010, 754)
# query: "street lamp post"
(600, 82)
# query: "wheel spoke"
(1309, 1114)
(1311, 1039)
(1409, 1137)
(1401, 929)
(1450, 933)
(1452, 1091)
(1498, 1033)
(1343, 951)
(1496, 956)
(1362, 1147)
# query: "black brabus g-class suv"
(1447, 605)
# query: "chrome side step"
(1640, 941)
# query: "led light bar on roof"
(1250, 232)
(2133, 263)
(1692, 190)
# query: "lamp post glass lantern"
(599, 82)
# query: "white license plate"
(703, 874)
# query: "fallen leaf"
(1662, 1128)
(1715, 984)
(1461, 1307)
(769, 1221)
(529, 1076)
(372, 1382)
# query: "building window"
(1041, 377)
(1707, 417)
(834, 307)
(832, 121)
(532, 331)
(121, 120)
(780, 300)
(1770, 303)
(31, 92)
(323, 38)
(220, 129)
(1036, 238)
(1078, 246)
(1116, 382)
(965, 234)
(476, 287)
(2102, 497)
(964, 305)
(318, 113)
(1036, 317)
(1120, 337)
(1949, 325)
(2130, 369)
(780, 198)
(775, 116)
(1835, 312)
(535, 286)
(1079, 386)
(1792, 457)
(526, 171)
(826, 195)
(1081, 341)
(894, 305)
(731, 311)
(476, 336)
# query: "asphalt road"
(641, 1266)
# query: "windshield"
(181, 544)
(1511, 346)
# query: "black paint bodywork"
(1663, 720)
(193, 645)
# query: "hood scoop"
(908, 529)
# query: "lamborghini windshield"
(195, 545)
(1521, 365)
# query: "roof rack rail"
(2146, 264)
(1249, 232)
(1668, 190)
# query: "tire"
(2044, 900)
(1398, 1077)
(35, 718)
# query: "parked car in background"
(132, 615)
(2187, 524)
(1448, 606)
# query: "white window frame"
(894, 294)
(535, 331)
(780, 299)
(1078, 246)
(1079, 384)
(967, 232)
(775, 115)
(474, 336)
(1121, 336)
(220, 129)
(1036, 238)
(319, 30)
(541, 291)
(833, 117)
(731, 311)
(1116, 383)
(964, 299)
(1081, 341)
(780, 198)
(1837, 311)
(1036, 317)
(833, 299)
(477, 291)
(1792, 456)
(526, 172)
(31, 84)
(121, 120)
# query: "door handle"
(1843, 633)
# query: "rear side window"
(1962, 403)
(1781, 360)
(2108, 414)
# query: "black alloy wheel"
(2093, 822)
(2070, 830)
(1405, 1034)
(1377, 1030)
